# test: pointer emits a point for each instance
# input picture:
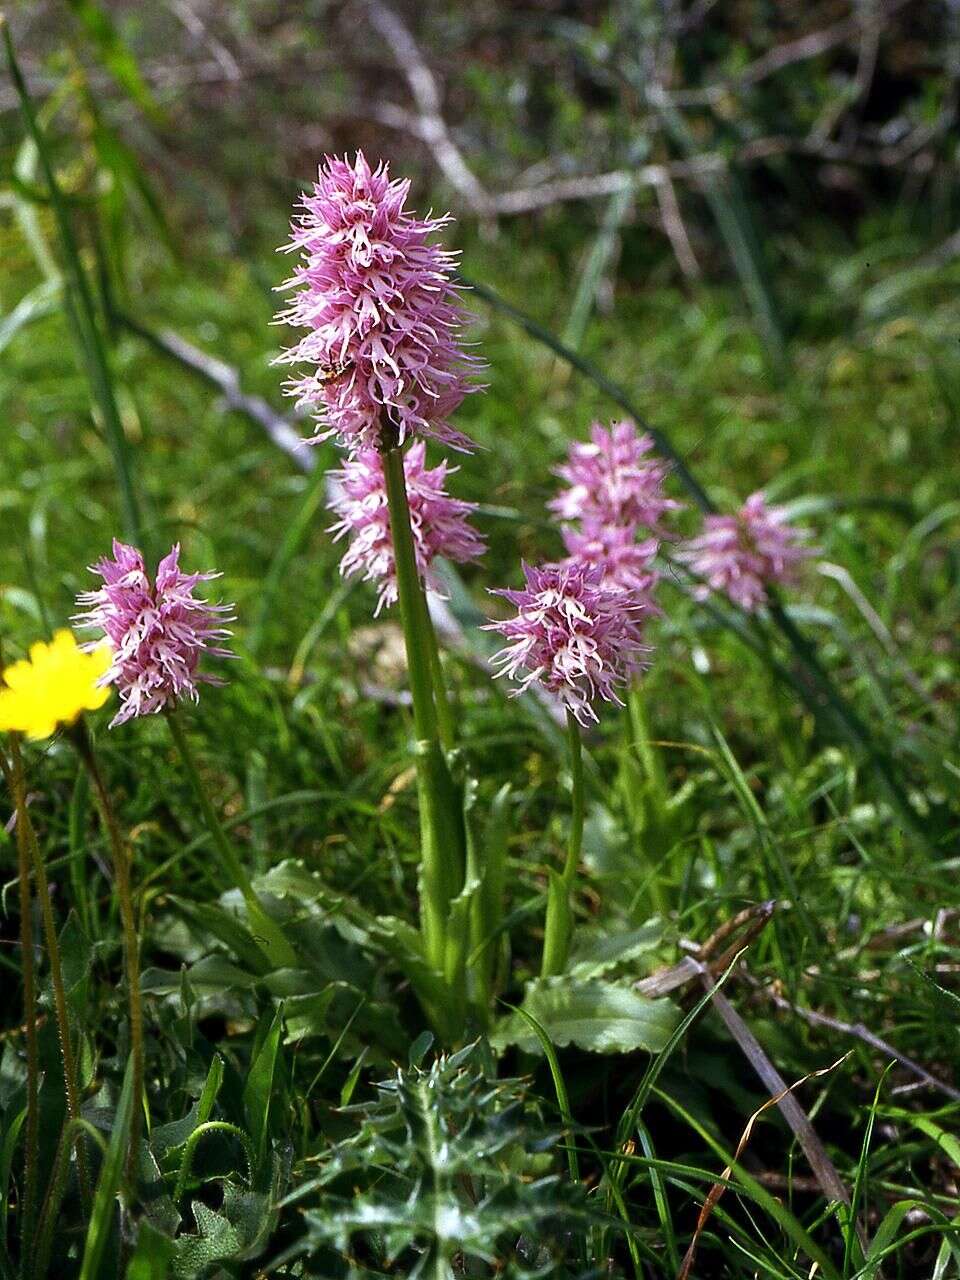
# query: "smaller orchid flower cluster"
(157, 631)
(152, 637)
(614, 506)
(575, 634)
(439, 523)
(745, 554)
(613, 513)
(579, 629)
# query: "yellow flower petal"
(55, 686)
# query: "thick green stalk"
(71, 1087)
(442, 856)
(269, 935)
(28, 1211)
(409, 592)
(446, 723)
(558, 931)
(122, 866)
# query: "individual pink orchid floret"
(381, 310)
(157, 630)
(624, 561)
(743, 554)
(574, 634)
(440, 524)
(613, 482)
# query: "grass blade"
(80, 306)
(111, 1173)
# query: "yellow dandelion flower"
(53, 686)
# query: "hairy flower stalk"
(382, 312)
(32, 1123)
(158, 630)
(50, 688)
(744, 554)
(70, 1078)
(580, 637)
(53, 687)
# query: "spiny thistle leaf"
(445, 1165)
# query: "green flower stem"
(442, 856)
(269, 935)
(558, 931)
(209, 1126)
(446, 722)
(120, 853)
(409, 591)
(71, 1087)
(29, 1206)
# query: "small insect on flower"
(440, 524)
(156, 631)
(575, 634)
(53, 686)
(324, 377)
(741, 555)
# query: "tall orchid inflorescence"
(744, 554)
(383, 317)
(614, 505)
(386, 370)
(439, 523)
(576, 634)
(157, 631)
(381, 310)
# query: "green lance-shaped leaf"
(258, 1089)
(601, 1017)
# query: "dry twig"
(718, 1188)
(431, 126)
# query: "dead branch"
(431, 125)
(858, 1032)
